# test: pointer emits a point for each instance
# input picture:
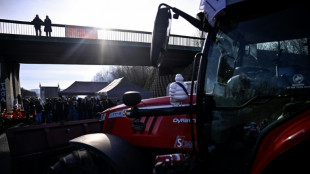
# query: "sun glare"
(118, 14)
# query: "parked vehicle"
(251, 111)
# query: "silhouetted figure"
(39, 109)
(32, 111)
(26, 108)
(65, 110)
(48, 26)
(109, 103)
(37, 22)
(75, 111)
(97, 108)
(58, 110)
(84, 109)
(48, 110)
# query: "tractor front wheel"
(81, 161)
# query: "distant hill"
(29, 93)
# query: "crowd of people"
(64, 109)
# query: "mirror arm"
(164, 5)
(197, 23)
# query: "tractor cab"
(256, 75)
(253, 79)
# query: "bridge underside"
(56, 50)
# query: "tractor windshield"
(260, 58)
(257, 74)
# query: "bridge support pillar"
(10, 92)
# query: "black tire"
(81, 161)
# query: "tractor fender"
(279, 138)
(115, 151)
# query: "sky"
(116, 14)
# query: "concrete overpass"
(80, 45)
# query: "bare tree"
(136, 74)
(296, 46)
(103, 76)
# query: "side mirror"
(131, 98)
(226, 69)
(160, 35)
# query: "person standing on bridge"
(48, 26)
(37, 22)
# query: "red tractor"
(251, 110)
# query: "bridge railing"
(74, 31)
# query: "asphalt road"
(5, 165)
